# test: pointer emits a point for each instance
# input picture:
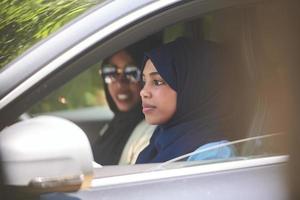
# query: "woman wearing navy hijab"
(184, 95)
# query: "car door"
(244, 27)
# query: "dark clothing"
(192, 71)
(107, 149)
(176, 141)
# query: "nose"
(121, 81)
(145, 93)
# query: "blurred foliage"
(83, 91)
(25, 22)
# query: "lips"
(148, 108)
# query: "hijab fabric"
(108, 148)
(192, 71)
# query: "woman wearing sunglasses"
(127, 134)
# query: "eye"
(158, 82)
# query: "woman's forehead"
(149, 68)
(121, 59)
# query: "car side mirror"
(46, 154)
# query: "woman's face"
(124, 93)
(159, 99)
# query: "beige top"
(137, 141)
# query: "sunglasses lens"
(109, 73)
(108, 70)
(132, 73)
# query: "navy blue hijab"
(192, 70)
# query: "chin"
(123, 108)
(152, 121)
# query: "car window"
(24, 23)
(86, 90)
(255, 65)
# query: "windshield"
(24, 23)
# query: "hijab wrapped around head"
(108, 147)
(192, 71)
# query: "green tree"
(25, 22)
(83, 91)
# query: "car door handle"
(58, 184)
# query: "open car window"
(251, 53)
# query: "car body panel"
(210, 181)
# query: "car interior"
(241, 31)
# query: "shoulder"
(137, 141)
(141, 133)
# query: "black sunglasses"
(111, 73)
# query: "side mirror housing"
(46, 154)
